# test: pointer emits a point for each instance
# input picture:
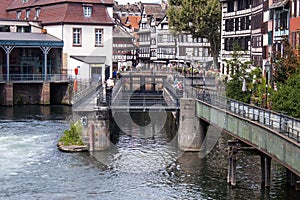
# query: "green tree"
(238, 71)
(287, 98)
(200, 18)
(286, 64)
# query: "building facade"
(84, 26)
(160, 46)
(259, 28)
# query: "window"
(76, 36)
(27, 14)
(19, 14)
(37, 13)
(87, 11)
(230, 6)
(24, 1)
(98, 37)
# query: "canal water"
(139, 166)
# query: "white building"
(85, 26)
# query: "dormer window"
(37, 13)
(27, 14)
(24, 1)
(87, 10)
(19, 14)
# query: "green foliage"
(73, 135)
(286, 64)
(200, 18)
(287, 98)
(238, 71)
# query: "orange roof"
(134, 21)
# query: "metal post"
(45, 51)
(7, 50)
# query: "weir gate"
(196, 107)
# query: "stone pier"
(192, 130)
(45, 94)
(8, 94)
(96, 132)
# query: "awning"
(29, 39)
(279, 4)
(90, 59)
(160, 61)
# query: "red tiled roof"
(155, 10)
(18, 4)
(134, 21)
(3, 5)
(99, 15)
(67, 12)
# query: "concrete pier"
(96, 132)
(191, 129)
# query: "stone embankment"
(72, 148)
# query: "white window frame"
(87, 11)
(98, 37)
(77, 33)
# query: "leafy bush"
(287, 98)
(73, 135)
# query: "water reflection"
(36, 112)
(135, 167)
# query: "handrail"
(36, 77)
(284, 124)
(85, 93)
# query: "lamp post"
(267, 68)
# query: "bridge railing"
(284, 124)
(36, 77)
(85, 93)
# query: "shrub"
(73, 135)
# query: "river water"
(31, 166)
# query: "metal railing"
(84, 93)
(283, 124)
(35, 77)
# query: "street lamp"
(268, 69)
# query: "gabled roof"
(154, 10)
(62, 11)
(127, 8)
(18, 4)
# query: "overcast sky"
(133, 1)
